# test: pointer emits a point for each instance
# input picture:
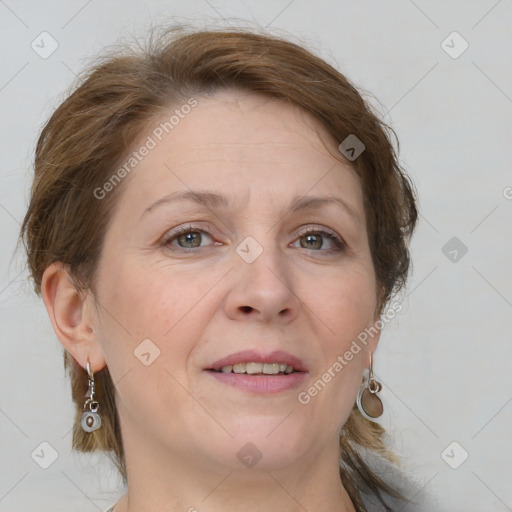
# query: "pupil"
(313, 241)
(190, 240)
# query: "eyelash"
(331, 235)
(327, 233)
(189, 228)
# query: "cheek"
(345, 303)
(151, 319)
(159, 303)
(345, 309)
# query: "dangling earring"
(368, 403)
(91, 420)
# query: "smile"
(252, 368)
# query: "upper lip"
(253, 356)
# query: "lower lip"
(259, 383)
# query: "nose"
(263, 290)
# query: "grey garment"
(400, 481)
(372, 504)
(111, 508)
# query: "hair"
(115, 100)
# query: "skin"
(182, 428)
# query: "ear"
(71, 313)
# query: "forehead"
(248, 143)
(244, 119)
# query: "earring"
(91, 420)
(368, 403)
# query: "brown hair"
(94, 129)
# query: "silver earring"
(368, 403)
(91, 420)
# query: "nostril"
(246, 309)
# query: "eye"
(317, 239)
(187, 237)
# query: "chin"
(265, 443)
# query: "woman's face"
(230, 243)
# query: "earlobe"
(69, 313)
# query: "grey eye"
(311, 241)
(190, 239)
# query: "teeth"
(258, 368)
(271, 368)
(239, 368)
(252, 368)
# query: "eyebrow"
(315, 202)
(209, 199)
(214, 200)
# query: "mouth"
(260, 373)
(253, 368)
(252, 362)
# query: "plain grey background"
(444, 361)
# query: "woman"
(216, 226)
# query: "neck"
(158, 480)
